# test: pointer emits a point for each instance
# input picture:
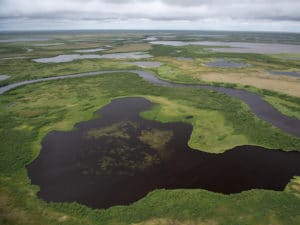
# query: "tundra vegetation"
(219, 123)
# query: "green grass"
(20, 206)
(294, 186)
(210, 131)
(26, 69)
(286, 107)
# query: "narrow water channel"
(261, 108)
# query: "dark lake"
(118, 158)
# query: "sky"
(243, 15)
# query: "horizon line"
(182, 30)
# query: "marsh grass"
(156, 138)
(118, 130)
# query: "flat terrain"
(219, 122)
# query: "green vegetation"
(219, 122)
(20, 206)
(25, 69)
(25, 120)
(118, 130)
(210, 131)
(286, 107)
(25, 117)
(294, 186)
(256, 75)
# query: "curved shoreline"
(82, 161)
(260, 107)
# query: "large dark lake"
(118, 158)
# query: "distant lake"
(23, 40)
(285, 73)
(47, 44)
(71, 57)
(90, 50)
(146, 64)
(238, 47)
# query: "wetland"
(120, 157)
(163, 139)
(258, 105)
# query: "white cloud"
(151, 13)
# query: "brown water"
(120, 157)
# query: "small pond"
(23, 40)
(222, 63)
(17, 57)
(47, 44)
(119, 158)
(184, 58)
(90, 50)
(72, 57)
(285, 73)
(146, 64)
(4, 77)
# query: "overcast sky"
(261, 15)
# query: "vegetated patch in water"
(222, 63)
(120, 157)
(146, 64)
(285, 73)
(90, 50)
(69, 58)
(4, 77)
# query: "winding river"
(260, 108)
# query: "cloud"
(193, 11)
